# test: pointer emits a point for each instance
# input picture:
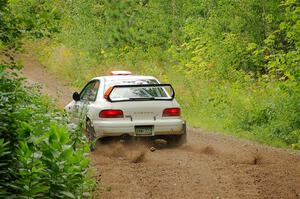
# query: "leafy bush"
(39, 157)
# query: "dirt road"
(210, 165)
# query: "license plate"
(143, 130)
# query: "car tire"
(90, 134)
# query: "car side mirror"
(76, 96)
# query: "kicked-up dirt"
(210, 165)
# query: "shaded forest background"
(234, 64)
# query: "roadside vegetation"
(40, 157)
(234, 64)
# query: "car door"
(88, 95)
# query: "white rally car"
(129, 105)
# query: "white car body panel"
(136, 113)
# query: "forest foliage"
(234, 64)
(40, 157)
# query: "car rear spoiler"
(110, 90)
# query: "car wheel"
(90, 134)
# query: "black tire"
(90, 134)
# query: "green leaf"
(68, 194)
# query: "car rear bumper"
(118, 128)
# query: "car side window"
(89, 93)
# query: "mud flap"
(178, 140)
(184, 135)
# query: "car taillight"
(111, 113)
(169, 112)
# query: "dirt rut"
(210, 165)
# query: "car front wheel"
(90, 134)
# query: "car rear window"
(139, 93)
(114, 82)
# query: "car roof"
(123, 77)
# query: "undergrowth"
(40, 157)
